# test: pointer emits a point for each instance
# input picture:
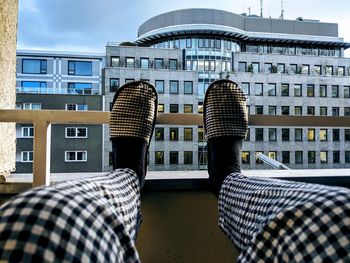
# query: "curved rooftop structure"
(240, 27)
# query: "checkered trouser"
(281, 221)
(94, 220)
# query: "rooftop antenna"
(261, 8)
(282, 10)
(249, 10)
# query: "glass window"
(31, 106)
(285, 110)
(311, 134)
(79, 88)
(158, 63)
(347, 156)
(188, 87)
(77, 107)
(160, 108)
(27, 156)
(347, 134)
(259, 109)
(160, 86)
(174, 87)
(80, 68)
(130, 62)
(298, 157)
(27, 132)
(272, 89)
(323, 90)
(346, 91)
(247, 137)
(144, 63)
(256, 67)
(335, 91)
(311, 157)
(318, 69)
(188, 157)
(281, 68)
(297, 90)
(323, 134)
(323, 111)
(268, 67)
(305, 69)
(298, 135)
(159, 134)
(245, 88)
(174, 134)
(341, 71)
(174, 108)
(245, 157)
(200, 131)
(336, 135)
(259, 134)
(173, 64)
(285, 157)
(200, 107)
(34, 87)
(188, 108)
(257, 160)
(310, 90)
(336, 156)
(324, 157)
(329, 70)
(258, 89)
(188, 134)
(174, 157)
(272, 155)
(285, 89)
(272, 134)
(73, 132)
(75, 156)
(159, 157)
(242, 66)
(335, 111)
(298, 110)
(310, 110)
(272, 110)
(115, 61)
(188, 43)
(129, 80)
(34, 66)
(346, 111)
(113, 84)
(285, 135)
(293, 69)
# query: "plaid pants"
(96, 220)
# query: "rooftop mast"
(261, 8)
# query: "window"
(257, 160)
(285, 90)
(341, 71)
(174, 134)
(27, 156)
(347, 156)
(336, 156)
(115, 61)
(79, 88)
(285, 135)
(298, 135)
(259, 134)
(75, 156)
(174, 87)
(336, 135)
(80, 68)
(323, 90)
(129, 80)
(281, 68)
(335, 111)
(245, 88)
(34, 66)
(346, 91)
(268, 68)
(188, 134)
(298, 157)
(297, 90)
(247, 137)
(245, 157)
(311, 134)
(324, 157)
(130, 62)
(174, 158)
(174, 108)
(347, 134)
(200, 107)
(294, 69)
(188, 157)
(323, 135)
(27, 132)
(285, 157)
(272, 89)
(310, 90)
(34, 87)
(188, 87)
(347, 111)
(259, 110)
(159, 157)
(329, 70)
(311, 156)
(160, 108)
(272, 134)
(160, 86)
(31, 106)
(188, 108)
(305, 69)
(242, 66)
(200, 131)
(113, 84)
(318, 69)
(258, 89)
(158, 63)
(76, 132)
(144, 63)
(285, 110)
(272, 155)
(310, 110)
(77, 107)
(173, 64)
(159, 134)
(335, 91)
(298, 110)
(272, 110)
(323, 111)
(256, 67)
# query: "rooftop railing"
(69, 91)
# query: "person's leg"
(269, 220)
(92, 220)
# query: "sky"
(87, 25)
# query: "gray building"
(61, 81)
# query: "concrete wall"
(8, 30)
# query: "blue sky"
(87, 25)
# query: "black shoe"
(131, 125)
(226, 125)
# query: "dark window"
(159, 157)
(174, 134)
(285, 135)
(174, 108)
(347, 134)
(297, 90)
(347, 111)
(285, 90)
(310, 110)
(80, 68)
(347, 156)
(272, 110)
(188, 134)
(173, 64)
(188, 108)
(174, 87)
(310, 90)
(285, 157)
(158, 63)
(188, 87)
(245, 157)
(110, 161)
(200, 131)
(298, 135)
(336, 135)
(323, 111)
(160, 86)
(202, 155)
(34, 66)
(272, 134)
(188, 157)
(259, 134)
(311, 156)
(259, 110)
(346, 91)
(285, 110)
(113, 85)
(335, 111)
(298, 157)
(159, 134)
(336, 156)
(323, 90)
(257, 160)
(298, 110)
(335, 91)
(174, 158)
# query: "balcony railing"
(69, 91)
(42, 120)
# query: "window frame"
(72, 69)
(29, 132)
(76, 155)
(43, 66)
(76, 133)
(28, 155)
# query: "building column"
(8, 32)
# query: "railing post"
(42, 152)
